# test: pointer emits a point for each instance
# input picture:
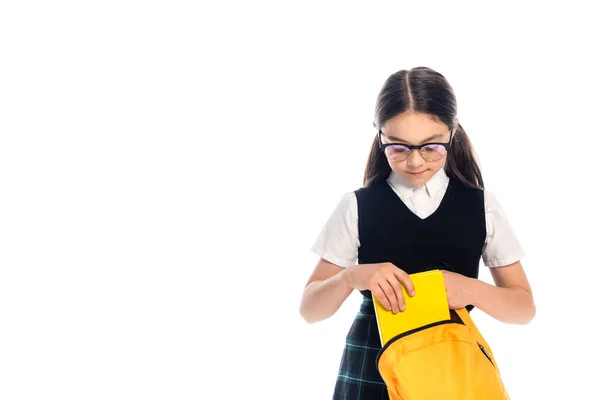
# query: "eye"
(431, 148)
(398, 148)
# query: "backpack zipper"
(485, 353)
(410, 332)
(483, 350)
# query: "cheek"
(397, 167)
(437, 165)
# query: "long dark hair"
(423, 90)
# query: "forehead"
(413, 127)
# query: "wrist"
(474, 289)
(345, 277)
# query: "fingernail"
(402, 307)
(412, 293)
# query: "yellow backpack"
(444, 360)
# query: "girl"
(423, 205)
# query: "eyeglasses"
(429, 151)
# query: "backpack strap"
(464, 315)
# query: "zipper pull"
(484, 351)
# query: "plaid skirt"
(358, 377)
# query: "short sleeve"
(338, 240)
(501, 244)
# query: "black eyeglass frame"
(418, 147)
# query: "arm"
(324, 292)
(330, 285)
(338, 242)
(510, 301)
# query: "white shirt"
(338, 241)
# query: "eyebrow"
(436, 136)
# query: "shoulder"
(502, 247)
(345, 208)
(338, 240)
(470, 196)
(347, 198)
(496, 219)
(460, 186)
(491, 202)
(371, 190)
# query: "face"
(414, 129)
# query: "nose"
(415, 159)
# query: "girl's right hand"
(383, 280)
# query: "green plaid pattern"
(358, 377)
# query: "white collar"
(439, 181)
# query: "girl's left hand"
(458, 289)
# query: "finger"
(406, 281)
(381, 297)
(397, 288)
(389, 293)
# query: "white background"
(166, 166)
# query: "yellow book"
(428, 305)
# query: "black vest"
(451, 238)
